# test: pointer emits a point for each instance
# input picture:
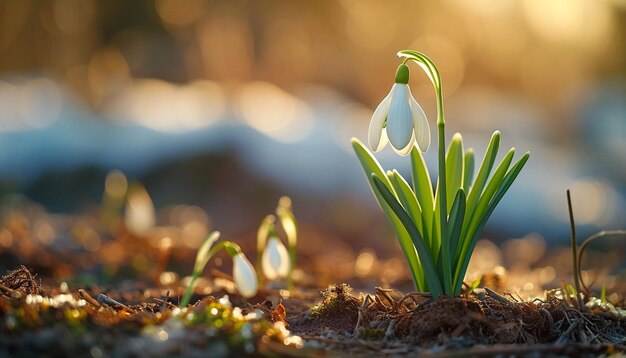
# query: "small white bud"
(275, 260)
(244, 276)
(140, 215)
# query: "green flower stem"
(202, 259)
(431, 70)
(263, 234)
(287, 219)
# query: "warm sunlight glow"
(115, 184)
(594, 201)
(140, 213)
(274, 112)
(167, 107)
(573, 22)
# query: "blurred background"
(220, 107)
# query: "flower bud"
(140, 215)
(275, 260)
(244, 276)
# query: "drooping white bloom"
(400, 120)
(275, 259)
(244, 276)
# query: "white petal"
(376, 138)
(400, 117)
(275, 259)
(420, 125)
(407, 149)
(244, 276)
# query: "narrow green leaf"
(427, 262)
(202, 257)
(483, 174)
(468, 169)
(369, 162)
(483, 202)
(423, 189)
(506, 183)
(371, 166)
(454, 169)
(449, 243)
(261, 240)
(407, 198)
(435, 239)
(457, 215)
(288, 221)
(492, 187)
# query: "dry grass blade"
(20, 281)
(588, 241)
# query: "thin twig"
(366, 301)
(12, 292)
(496, 296)
(385, 294)
(87, 297)
(569, 331)
(104, 299)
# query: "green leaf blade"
(483, 174)
(420, 245)
(505, 184)
(371, 166)
(423, 189)
(468, 169)
(454, 169)
(407, 198)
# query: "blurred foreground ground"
(96, 248)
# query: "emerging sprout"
(275, 260)
(243, 272)
(140, 215)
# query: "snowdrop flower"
(399, 119)
(244, 275)
(275, 259)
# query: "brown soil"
(417, 323)
(128, 323)
(337, 312)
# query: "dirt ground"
(95, 290)
(38, 320)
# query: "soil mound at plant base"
(450, 315)
(338, 311)
(417, 323)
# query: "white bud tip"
(244, 276)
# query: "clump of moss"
(337, 300)
(338, 311)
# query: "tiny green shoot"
(243, 272)
(273, 260)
